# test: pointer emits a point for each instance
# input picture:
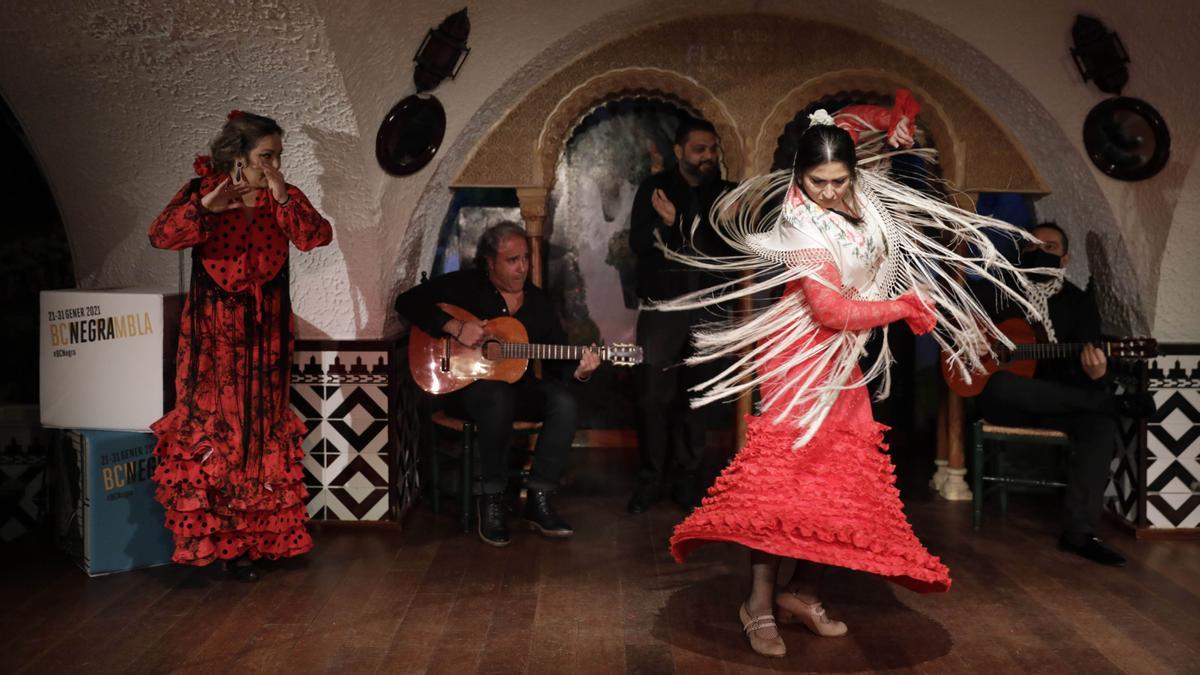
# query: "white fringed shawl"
(927, 245)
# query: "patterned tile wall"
(1123, 490)
(1173, 443)
(342, 391)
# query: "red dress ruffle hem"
(229, 454)
(832, 501)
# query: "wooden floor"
(429, 599)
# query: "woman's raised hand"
(275, 182)
(902, 135)
(226, 196)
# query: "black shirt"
(1076, 319)
(473, 291)
(657, 277)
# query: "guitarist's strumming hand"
(470, 333)
(588, 364)
(1094, 362)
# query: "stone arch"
(947, 138)
(831, 84)
(991, 112)
(654, 83)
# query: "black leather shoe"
(687, 493)
(242, 570)
(493, 528)
(1093, 550)
(642, 500)
(541, 517)
(636, 505)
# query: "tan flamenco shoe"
(794, 610)
(772, 647)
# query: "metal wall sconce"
(442, 52)
(1099, 54)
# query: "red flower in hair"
(202, 165)
(233, 115)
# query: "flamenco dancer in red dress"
(854, 251)
(229, 454)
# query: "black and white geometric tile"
(1173, 443)
(1123, 489)
(342, 396)
(22, 493)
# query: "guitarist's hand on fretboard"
(589, 361)
(1094, 362)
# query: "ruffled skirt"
(229, 455)
(833, 501)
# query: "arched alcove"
(946, 139)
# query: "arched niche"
(945, 137)
(624, 83)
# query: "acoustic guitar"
(1022, 359)
(443, 364)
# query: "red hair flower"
(202, 165)
(233, 115)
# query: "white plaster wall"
(1177, 318)
(118, 96)
(1028, 39)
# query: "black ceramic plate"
(410, 135)
(1126, 138)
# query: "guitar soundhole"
(490, 350)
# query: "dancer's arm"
(184, 223)
(832, 310)
(300, 221)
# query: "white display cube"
(107, 357)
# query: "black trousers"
(670, 433)
(494, 406)
(1086, 415)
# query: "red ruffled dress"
(229, 453)
(832, 501)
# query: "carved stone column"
(941, 463)
(533, 211)
(955, 486)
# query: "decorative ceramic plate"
(410, 135)
(1126, 138)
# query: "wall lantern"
(442, 52)
(1099, 54)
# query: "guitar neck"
(1051, 350)
(512, 350)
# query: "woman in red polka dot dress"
(229, 454)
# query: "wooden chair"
(463, 458)
(989, 445)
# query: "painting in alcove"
(472, 210)
(590, 269)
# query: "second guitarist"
(499, 286)
(1073, 396)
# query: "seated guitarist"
(499, 286)
(1070, 396)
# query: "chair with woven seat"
(463, 456)
(989, 442)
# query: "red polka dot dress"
(229, 453)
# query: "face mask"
(1039, 258)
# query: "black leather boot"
(493, 528)
(541, 516)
